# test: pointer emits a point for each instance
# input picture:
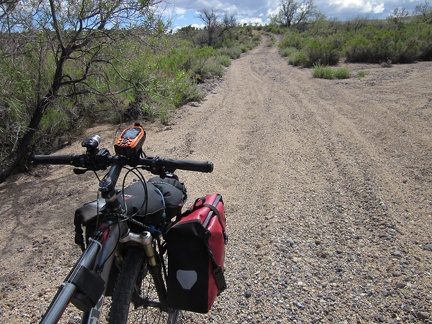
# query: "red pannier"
(196, 253)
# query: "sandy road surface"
(328, 192)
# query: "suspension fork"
(155, 262)
(159, 273)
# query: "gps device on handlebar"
(130, 142)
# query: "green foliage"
(293, 39)
(309, 51)
(275, 29)
(148, 76)
(326, 42)
(373, 45)
(231, 52)
(341, 73)
(361, 74)
(322, 51)
(167, 78)
(326, 72)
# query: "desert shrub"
(298, 58)
(370, 45)
(341, 73)
(211, 67)
(293, 39)
(369, 41)
(358, 49)
(326, 72)
(288, 51)
(310, 50)
(322, 72)
(233, 52)
(322, 51)
(224, 60)
(423, 32)
(374, 45)
(361, 74)
(276, 29)
(272, 40)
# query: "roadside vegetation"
(310, 40)
(327, 72)
(66, 68)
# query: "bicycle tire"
(133, 289)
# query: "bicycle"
(124, 253)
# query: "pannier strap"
(199, 203)
(218, 272)
(219, 279)
(209, 216)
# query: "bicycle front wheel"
(135, 298)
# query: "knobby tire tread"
(125, 285)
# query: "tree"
(425, 11)
(51, 48)
(285, 15)
(305, 11)
(397, 16)
(214, 27)
(229, 22)
(292, 13)
(210, 19)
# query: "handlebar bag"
(196, 252)
(165, 199)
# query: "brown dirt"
(327, 186)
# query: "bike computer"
(131, 140)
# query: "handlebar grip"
(52, 159)
(188, 165)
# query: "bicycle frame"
(87, 283)
(98, 257)
(90, 274)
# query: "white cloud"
(378, 9)
(258, 11)
(180, 11)
(360, 5)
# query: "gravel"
(327, 190)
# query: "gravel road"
(327, 188)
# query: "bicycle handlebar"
(155, 165)
(54, 159)
(189, 165)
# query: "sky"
(185, 12)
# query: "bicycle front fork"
(145, 239)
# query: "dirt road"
(327, 187)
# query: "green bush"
(298, 59)
(293, 39)
(321, 51)
(224, 60)
(322, 72)
(376, 45)
(307, 51)
(326, 72)
(361, 74)
(232, 52)
(367, 41)
(341, 73)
